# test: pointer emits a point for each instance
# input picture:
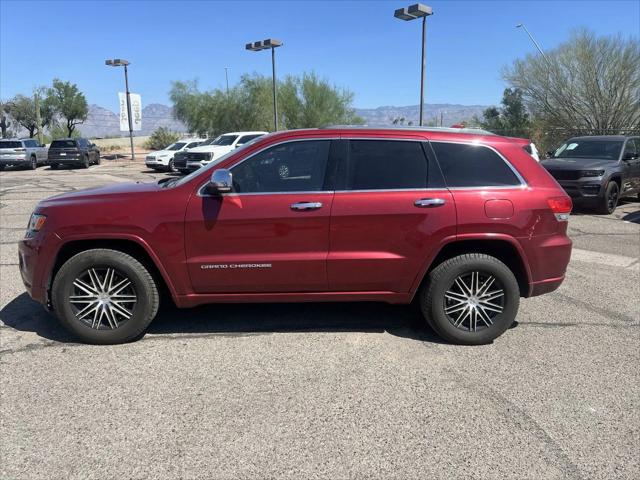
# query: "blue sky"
(354, 44)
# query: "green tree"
(303, 102)
(511, 118)
(69, 103)
(161, 138)
(588, 84)
(57, 131)
(23, 111)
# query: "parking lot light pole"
(271, 43)
(522, 25)
(411, 13)
(120, 62)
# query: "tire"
(170, 167)
(98, 160)
(609, 201)
(1, 167)
(54, 166)
(33, 164)
(85, 162)
(489, 318)
(103, 323)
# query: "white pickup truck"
(209, 151)
(25, 152)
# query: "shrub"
(161, 138)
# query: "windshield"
(598, 149)
(224, 140)
(176, 146)
(175, 182)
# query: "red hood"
(126, 192)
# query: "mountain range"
(105, 123)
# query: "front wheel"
(170, 167)
(104, 296)
(609, 202)
(470, 299)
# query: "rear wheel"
(470, 299)
(33, 164)
(98, 160)
(105, 296)
(609, 202)
(85, 162)
(54, 166)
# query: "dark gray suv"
(75, 152)
(596, 171)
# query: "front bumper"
(583, 190)
(32, 253)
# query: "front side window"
(386, 165)
(468, 165)
(290, 167)
(193, 144)
(631, 149)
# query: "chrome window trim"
(233, 194)
(523, 184)
(522, 181)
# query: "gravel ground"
(325, 390)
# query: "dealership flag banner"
(136, 112)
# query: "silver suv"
(28, 153)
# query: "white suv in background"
(202, 155)
(163, 159)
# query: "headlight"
(36, 222)
(591, 173)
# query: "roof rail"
(477, 131)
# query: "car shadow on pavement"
(405, 321)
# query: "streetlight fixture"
(121, 62)
(271, 43)
(522, 25)
(411, 13)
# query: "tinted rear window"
(63, 144)
(386, 164)
(465, 165)
(8, 144)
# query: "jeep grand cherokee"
(464, 223)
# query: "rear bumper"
(65, 161)
(6, 161)
(548, 258)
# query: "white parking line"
(610, 259)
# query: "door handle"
(429, 202)
(306, 206)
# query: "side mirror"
(629, 156)
(221, 181)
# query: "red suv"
(463, 222)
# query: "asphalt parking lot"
(325, 390)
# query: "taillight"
(561, 207)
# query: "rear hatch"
(63, 150)
(11, 150)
